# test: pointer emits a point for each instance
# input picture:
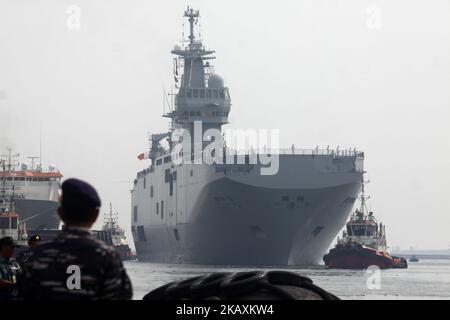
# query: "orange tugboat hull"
(360, 257)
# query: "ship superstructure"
(229, 212)
(36, 191)
(10, 223)
(363, 228)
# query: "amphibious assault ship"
(232, 211)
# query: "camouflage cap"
(77, 193)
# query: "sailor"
(75, 265)
(25, 255)
(8, 269)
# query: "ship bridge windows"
(36, 179)
(202, 93)
(4, 222)
(360, 230)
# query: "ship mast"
(8, 202)
(192, 15)
(363, 197)
(202, 96)
(363, 207)
(110, 219)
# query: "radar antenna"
(193, 17)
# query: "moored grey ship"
(230, 213)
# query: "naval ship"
(34, 191)
(231, 212)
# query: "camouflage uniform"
(47, 273)
(9, 270)
(23, 257)
(26, 253)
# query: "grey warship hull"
(243, 218)
(252, 226)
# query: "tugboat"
(118, 238)
(414, 259)
(363, 243)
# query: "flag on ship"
(143, 156)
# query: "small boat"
(414, 259)
(363, 243)
(118, 238)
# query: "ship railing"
(350, 152)
(245, 153)
(307, 152)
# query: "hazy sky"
(367, 74)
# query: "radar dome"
(215, 81)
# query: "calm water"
(427, 279)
